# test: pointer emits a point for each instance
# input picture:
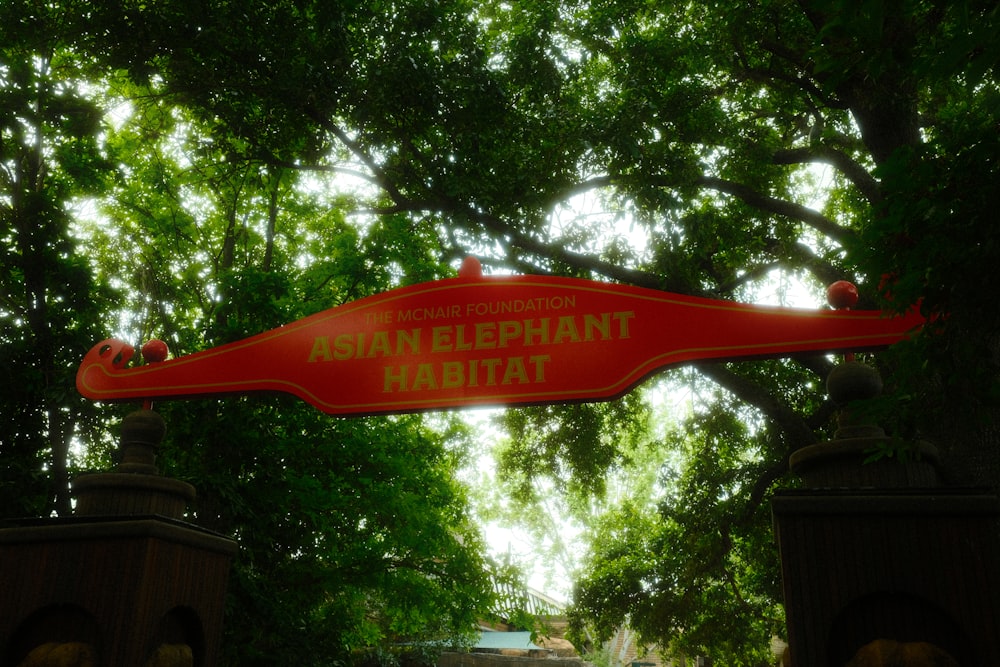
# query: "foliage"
(228, 167)
(51, 304)
(352, 532)
(691, 571)
(576, 445)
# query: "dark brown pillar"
(125, 581)
(877, 550)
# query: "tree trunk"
(272, 217)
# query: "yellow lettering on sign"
(541, 331)
(566, 331)
(379, 346)
(425, 378)
(441, 339)
(357, 346)
(515, 371)
(489, 372)
(423, 374)
(485, 335)
(623, 318)
(408, 340)
(343, 347)
(452, 374)
(461, 342)
(508, 330)
(321, 350)
(600, 324)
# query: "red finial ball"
(154, 351)
(842, 294)
(471, 268)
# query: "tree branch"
(517, 239)
(378, 176)
(782, 207)
(524, 241)
(823, 271)
(855, 173)
(325, 168)
(744, 193)
(804, 84)
(794, 426)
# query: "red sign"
(478, 340)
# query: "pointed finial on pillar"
(135, 486)
(848, 382)
(860, 454)
(142, 432)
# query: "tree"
(701, 124)
(353, 534)
(353, 537)
(556, 494)
(695, 571)
(50, 308)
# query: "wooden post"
(125, 581)
(880, 551)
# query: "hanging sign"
(477, 340)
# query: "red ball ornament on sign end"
(842, 295)
(471, 268)
(155, 351)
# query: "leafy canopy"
(257, 163)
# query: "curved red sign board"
(478, 340)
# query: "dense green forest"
(201, 171)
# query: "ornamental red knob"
(471, 268)
(842, 294)
(154, 351)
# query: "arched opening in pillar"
(179, 640)
(896, 617)
(55, 635)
